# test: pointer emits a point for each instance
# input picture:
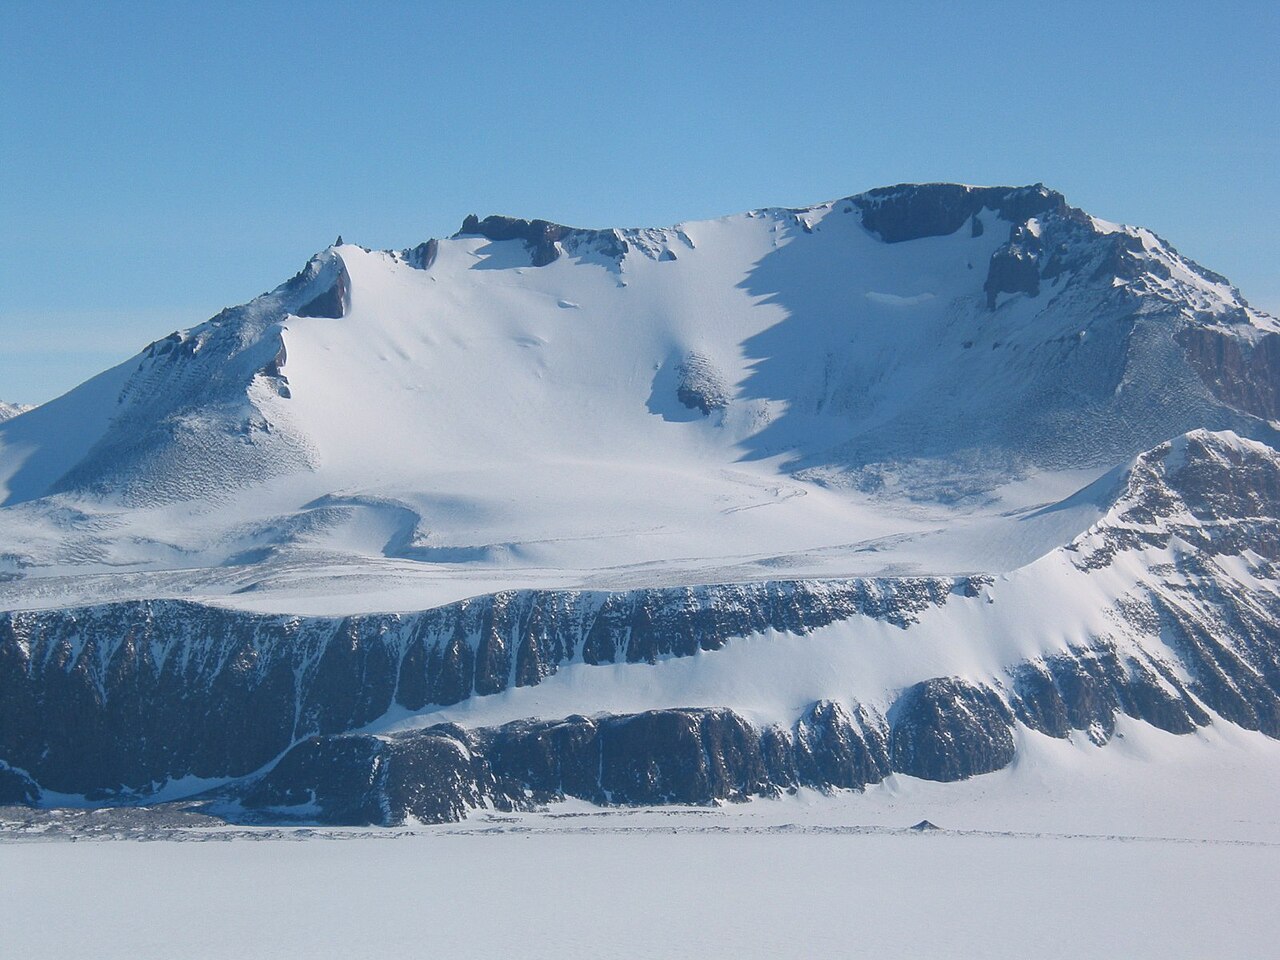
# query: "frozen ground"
(1157, 846)
(642, 895)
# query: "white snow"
(470, 427)
(1155, 847)
(485, 425)
(10, 410)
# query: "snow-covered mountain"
(916, 475)
(10, 410)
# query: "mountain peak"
(10, 410)
(1054, 339)
(541, 237)
(912, 211)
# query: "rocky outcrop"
(1014, 267)
(16, 788)
(943, 729)
(912, 211)
(836, 747)
(423, 255)
(1240, 371)
(430, 777)
(684, 756)
(1217, 493)
(544, 239)
(117, 698)
(10, 410)
(948, 729)
(700, 386)
(334, 301)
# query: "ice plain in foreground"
(1159, 846)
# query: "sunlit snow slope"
(891, 383)
(895, 486)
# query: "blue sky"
(162, 161)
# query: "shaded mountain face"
(795, 498)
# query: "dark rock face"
(1063, 694)
(684, 756)
(947, 729)
(913, 211)
(423, 255)
(700, 386)
(544, 239)
(117, 697)
(836, 748)
(338, 779)
(943, 729)
(1087, 689)
(431, 777)
(680, 756)
(16, 788)
(1015, 266)
(333, 302)
(1240, 373)
(1220, 498)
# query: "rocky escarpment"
(1217, 493)
(1242, 372)
(1014, 267)
(113, 701)
(16, 787)
(912, 211)
(120, 697)
(544, 239)
(942, 729)
(333, 302)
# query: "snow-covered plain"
(1157, 846)
(646, 895)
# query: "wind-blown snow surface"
(677, 896)
(1158, 847)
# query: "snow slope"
(1136, 851)
(877, 385)
(927, 482)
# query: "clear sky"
(163, 160)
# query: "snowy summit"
(887, 486)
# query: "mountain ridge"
(817, 496)
(1163, 611)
